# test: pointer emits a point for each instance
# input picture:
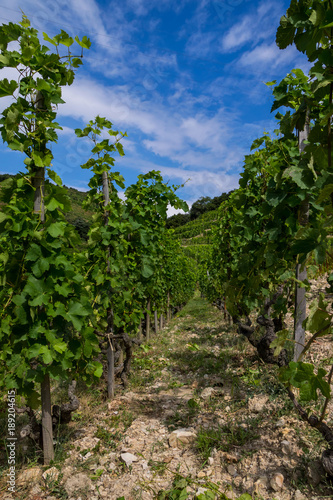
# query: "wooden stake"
(148, 321)
(47, 431)
(168, 308)
(110, 359)
(155, 321)
(301, 272)
(38, 181)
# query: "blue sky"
(184, 79)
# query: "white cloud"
(253, 28)
(265, 57)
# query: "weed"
(97, 474)
(209, 490)
(183, 417)
(109, 439)
(222, 438)
(54, 488)
(157, 466)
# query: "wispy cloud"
(252, 28)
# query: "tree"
(199, 207)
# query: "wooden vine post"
(110, 350)
(161, 321)
(110, 360)
(155, 319)
(140, 331)
(301, 271)
(148, 321)
(38, 182)
(168, 308)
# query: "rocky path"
(201, 415)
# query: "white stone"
(128, 458)
(231, 470)
(286, 447)
(207, 393)
(87, 443)
(211, 460)
(51, 474)
(299, 495)
(30, 475)
(200, 491)
(258, 403)
(277, 482)
(181, 437)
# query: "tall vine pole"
(38, 182)
(110, 349)
(301, 271)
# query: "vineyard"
(144, 362)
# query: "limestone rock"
(78, 482)
(184, 392)
(208, 393)
(180, 437)
(51, 474)
(277, 481)
(258, 403)
(299, 495)
(200, 491)
(128, 458)
(286, 447)
(87, 443)
(36, 490)
(66, 473)
(232, 470)
(29, 475)
(260, 484)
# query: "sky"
(184, 78)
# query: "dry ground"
(202, 413)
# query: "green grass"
(224, 438)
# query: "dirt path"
(201, 413)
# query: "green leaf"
(7, 88)
(34, 252)
(279, 343)
(33, 400)
(84, 43)
(319, 318)
(76, 312)
(54, 177)
(60, 346)
(3, 217)
(285, 33)
(50, 40)
(56, 229)
(43, 85)
(40, 267)
(99, 370)
(46, 354)
(65, 289)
